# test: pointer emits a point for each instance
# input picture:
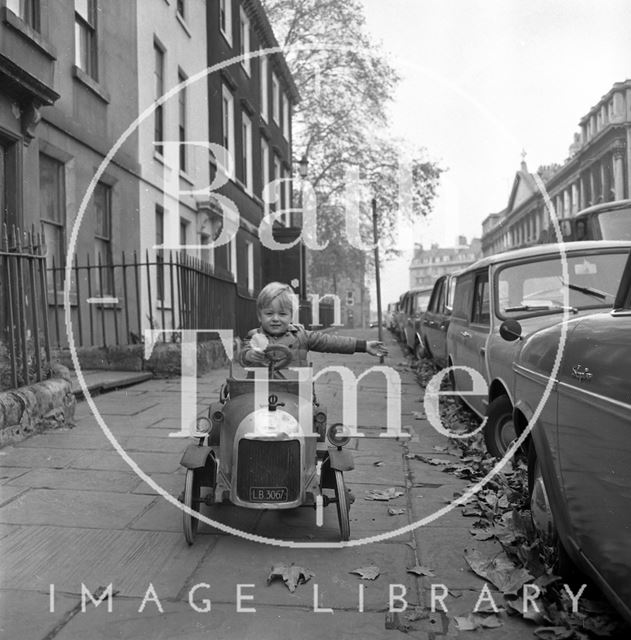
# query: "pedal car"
(260, 456)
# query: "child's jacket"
(301, 341)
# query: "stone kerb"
(31, 409)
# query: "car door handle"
(465, 334)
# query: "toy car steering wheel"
(278, 355)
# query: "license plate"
(268, 494)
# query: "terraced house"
(111, 129)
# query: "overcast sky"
(484, 80)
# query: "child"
(274, 308)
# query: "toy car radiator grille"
(269, 471)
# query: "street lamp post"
(377, 274)
(303, 168)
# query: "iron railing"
(24, 338)
(113, 303)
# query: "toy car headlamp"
(203, 425)
(337, 435)
(274, 423)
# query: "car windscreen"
(541, 286)
(615, 225)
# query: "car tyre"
(543, 519)
(419, 351)
(499, 430)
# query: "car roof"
(421, 289)
(546, 250)
(604, 206)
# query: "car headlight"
(337, 435)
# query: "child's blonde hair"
(275, 291)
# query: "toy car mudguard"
(341, 460)
(194, 457)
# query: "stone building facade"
(598, 169)
(429, 264)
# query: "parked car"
(532, 286)
(391, 315)
(605, 221)
(579, 463)
(412, 306)
(435, 322)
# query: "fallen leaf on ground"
(371, 572)
(553, 633)
(392, 511)
(421, 571)
(473, 622)
(291, 575)
(383, 494)
(482, 533)
(394, 622)
(498, 570)
(417, 613)
(418, 415)
(379, 463)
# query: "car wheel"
(419, 351)
(192, 487)
(499, 431)
(543, 518)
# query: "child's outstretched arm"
(376, 348)
(327, 343)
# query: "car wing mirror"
(510, 330)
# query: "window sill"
(187, 178)
(183, 24)
(226, 37)
(28, 33)
(158, 157)
(90, 83)
(243, 188)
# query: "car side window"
(434, 305)
(481, 305)
(462, 297)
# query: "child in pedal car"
(274, 308)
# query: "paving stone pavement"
(73, 512)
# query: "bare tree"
(346, 85)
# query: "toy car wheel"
(343, 506)
(192, 488)
(499, 431)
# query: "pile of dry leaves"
(501, 511)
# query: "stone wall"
(165, 360)
(44, 405)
